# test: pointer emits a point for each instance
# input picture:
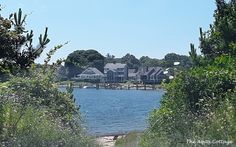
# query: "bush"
(35, 113)
(37, 128)
(199, 105)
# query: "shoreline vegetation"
(199, 106)
(33, 112)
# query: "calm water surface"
(116, 111)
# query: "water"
(116, 111)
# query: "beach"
(108, 141)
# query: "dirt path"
(106, 141)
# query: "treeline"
(79, 60)
(167, 61)
(199, 107)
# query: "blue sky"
(141, 27)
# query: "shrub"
(199, 104)
(35, 113)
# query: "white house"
(90, 74)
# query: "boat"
(89, 87)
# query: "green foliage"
(36, 128)
(33, 111)
(195, 59)
(221, 38)
(77, 61)
(170, 58)
(167, 61)
(147, 61)
(131, 61)
(39, 91)
(17, 51)
(200, 103)
(110, 58)
(194, 104)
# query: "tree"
(131, 61)
(200, 101)
(193, 55)
(77, 61)
(152, 62)
(220, 39)
(110, 58)
(16, 48)
(170, 58)
(33, 110)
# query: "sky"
(140, 27)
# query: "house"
(90, 74)
(115, 72)
(150, 75)
(132, 75)
(157, 76)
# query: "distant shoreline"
(147, 89)
(115, 86)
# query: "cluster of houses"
(119, 73)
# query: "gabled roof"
(148, 70)
(145, 70)
(114, 66)
(111, 70)
(91, 71)
(158, 70)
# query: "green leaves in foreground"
(35, 113)
(199, 104)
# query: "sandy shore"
(108, 141)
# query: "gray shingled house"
(133, 75)
(150, 75)
(115, 73)
(157, 76)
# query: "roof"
(148, 70)
(114, 66)
(158, 70)
(113, 70)
(145, 70)
(91, 71)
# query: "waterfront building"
(115, 73)
(150, 75)
(90, 74)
